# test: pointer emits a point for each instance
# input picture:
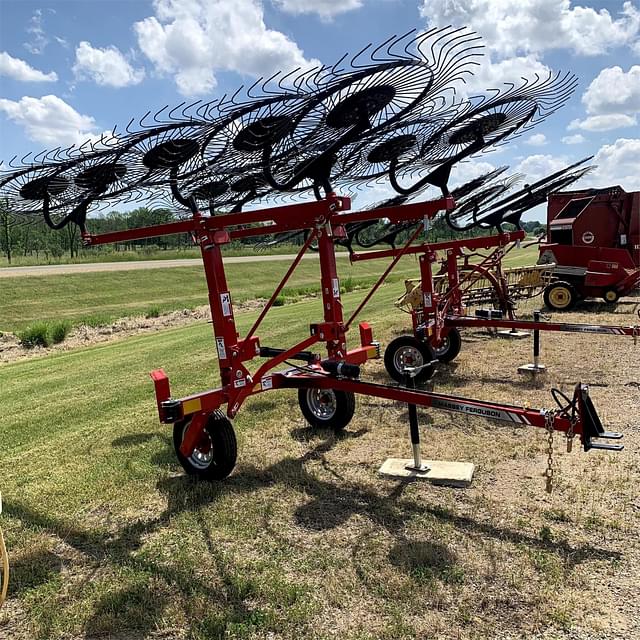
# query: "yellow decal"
(191, 406)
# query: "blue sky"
(70, 69)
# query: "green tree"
(6, 229)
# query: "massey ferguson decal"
(580, 328)
(484, 412)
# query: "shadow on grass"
(589, 307)
(32, 570)
(426, 561)
(133, 439)
(308, 434)
(164, 457)
(447, 376)
(135, 607)
(332, 502)
(185, 493)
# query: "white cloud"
(39, 40)
(603, 123)
(538, 25)
(193, 39)
(326, 9)
(538, 166)
(20, 70)
(491, 74)
(49, 120)
(537, 140)
(107, 67)
(617, 164)
(462, 172)
(614, 91)
(578, 138)
(614, 164)
(612, 100)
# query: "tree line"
(38, 240)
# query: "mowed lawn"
(102, 297)
(108, 538)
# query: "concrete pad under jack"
(514, 335)
(444, 472)
(532, 368)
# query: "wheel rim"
(407, 356)
(610, 296)
(440, 351)
(560, 297)
(322, 403)
(202, 455)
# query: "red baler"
(593, 238)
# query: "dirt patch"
(84, 336)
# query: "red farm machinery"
(392, 113)
(439, 312)
(203, 435)
(593, 239)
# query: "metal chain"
(571, 433)
(549, 420)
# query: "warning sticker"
(222, 352)
(225, 301)
(426, 300)
(239, 383)
(336, 287)
(267, 383)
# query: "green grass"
(35, 335)
(44, 334)
(110, 295)
(98, 298)
(109, 539)
(84, 460)
(107, 254)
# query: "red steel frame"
(442, 312)
(326, 219)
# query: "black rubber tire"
(560, 296)
(611, 296)
(415, 350)
(219, 461)
(450, 347)
(327, 408)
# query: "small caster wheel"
(611, 296)
(214, 456)
(407, 351)
(449, 347)
(327, 408)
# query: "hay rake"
(439, 304)
(392, 114)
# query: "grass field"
(107, 254)
(108, 539)
(102, 297)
